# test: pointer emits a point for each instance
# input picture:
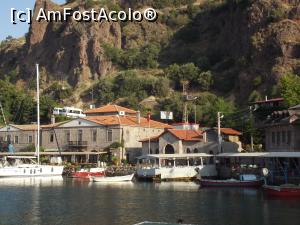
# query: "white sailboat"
(33, 169)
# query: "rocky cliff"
(72, 49)
(247, 44)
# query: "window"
(68, 135)
(109, 135)
(16, 139)
(79, 135)
(283, 139)
(51, 137)
(289, 137)
(1, 139)
(188, 150)
(195, 150)
(278, 138)
(30, 139)
(273, 137)
(94, 135)
(8, 138)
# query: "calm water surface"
(69, 202)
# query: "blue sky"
(6, 27)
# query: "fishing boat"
(87, 173)
(170, 167)
(13, 166)
(112, 179)
(285, 190)
(245, 180)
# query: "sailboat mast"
(38, 112)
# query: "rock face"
(247, 44)
(242, 41)
(71, 49)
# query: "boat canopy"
(21, 157)
(261, 155)
(172, 156)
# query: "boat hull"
(229, 183)
(277, 191)
(126, 178)
(31, 171)
(176, 173)
(87, 175)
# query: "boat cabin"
(176, 166)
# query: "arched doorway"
(169, 149)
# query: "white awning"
(174, 156)
(261, 155)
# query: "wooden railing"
(78, 143)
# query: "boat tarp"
(172, 156)
(261, 155)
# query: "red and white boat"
(87, 173)
(247, 180)
(285, 190)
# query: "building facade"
(175, 141)
(97, 132)
(282, 131)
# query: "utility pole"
(184, 95)
(92, 93)
(195, 111)
(220, 116)
(251, 129)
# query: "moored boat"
(87, 173)
(112, 179)
(246, 180)
(285, 190)
(14, 166)
(169, 167)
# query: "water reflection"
(47, 201)
(176, 186)
(32, 181)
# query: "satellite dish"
(265, 171)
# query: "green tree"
(205, 80)
(290, 89)
(177, 73)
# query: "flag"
(148, 116)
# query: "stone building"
(23, 137)
(181, 141)
(282, 130)
(101, 128)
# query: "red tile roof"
(126, 120)
(185, 135)
(110, 109)
(230, 131)
(33, 127)
(155, 138)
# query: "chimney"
(266, 98)
(92, 106)
(52, 119)
(138, 117)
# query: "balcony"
(78, 144)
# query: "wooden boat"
(247, 180)
(285, 190)
(112, 179)
(87, 173)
